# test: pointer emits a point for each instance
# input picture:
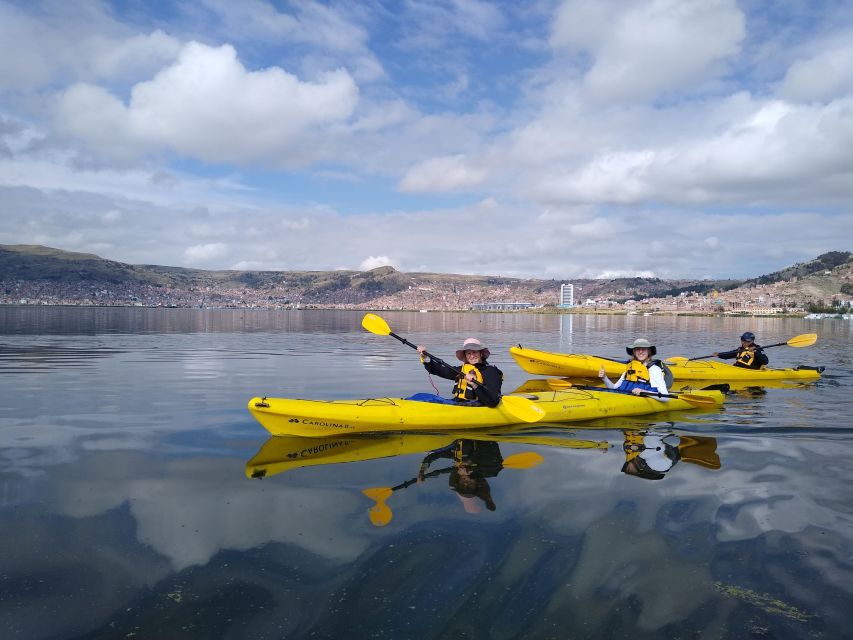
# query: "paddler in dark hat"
(748, 355)
(478, 383)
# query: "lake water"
(126, 509)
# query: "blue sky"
(551, 139)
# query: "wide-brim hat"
(641, 342)
(472, 344)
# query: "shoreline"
(539, 311)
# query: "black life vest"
(745, 358)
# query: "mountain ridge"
(58, 269)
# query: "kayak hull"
(575, 365)
(322, 418)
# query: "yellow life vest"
(637, 372)
(633, 445)
(461, 390)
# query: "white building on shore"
(567, 295)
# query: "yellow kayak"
(689, 386)
(322, 418)
(575, 365)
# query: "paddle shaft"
(714, 354)
(658, 394)
(768, 346)
(519, 408)
(425, 352)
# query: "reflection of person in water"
(473, 462)
(650, 455)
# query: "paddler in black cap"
(748, 355)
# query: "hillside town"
(788, 297)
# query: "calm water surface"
(126, 509)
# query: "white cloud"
(824, 76)
(373, 262)
(136, 56)
(209, 106)
(77, 41)
(299, 224)
(205, 253)
(514, 241)
(642, 49)
(624, 273)
(443, 174)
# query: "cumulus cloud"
(641, 49)
(824, 76)
(76, 41)
(209, 106)
(654, 116)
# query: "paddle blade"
(375, 324)
(558, 383)
(378, 494)
(523, 460)
(380, 514)
(803, 340)
(522, 408)
(697, 400)
(700, 450)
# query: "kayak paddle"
(802, 340)
(521, 408)
(691, 398)
(380, 513)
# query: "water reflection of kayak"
(576, 365)
(284, 453)
(318, 418)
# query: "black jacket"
(761, 359)
(487, 394)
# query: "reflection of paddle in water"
(651, 455)
(466, 475)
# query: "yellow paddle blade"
(700, 450)
(558, 383)
(803, 340)
(696, 400)
(375, 324)
(522, 408)
(523, 460)
(378, 493)
(380, 514)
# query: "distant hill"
(824, 262)
(34, 262)
(384, 285)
